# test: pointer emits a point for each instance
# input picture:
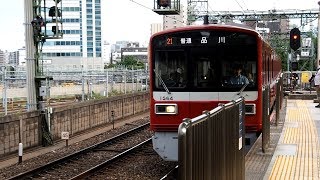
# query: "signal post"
(36, 24)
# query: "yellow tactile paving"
(305, 163)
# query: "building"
(106, 52)
(271, 26)
(140, 53)
(81, 45)
(174, 21)
(116, 49)
(13, 58)
(2, 58)
(22, 57)
(156, 27)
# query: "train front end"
(190, 71)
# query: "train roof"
(233, 26)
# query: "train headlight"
(250, 108)
(166, 108)
(171, 109)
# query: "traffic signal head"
(294, 66)
(163, 3)
(295, 39)
(53, 13)
(54, 29)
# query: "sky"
(130, 19)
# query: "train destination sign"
(188, 40)
(204, 38)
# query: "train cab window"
(205, 72)
(238, 74)
(170, 69)
(202, 61)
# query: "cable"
(245, 5)
(239, 5)
(141, 4)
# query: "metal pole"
(318, 52)
(288, 61)
(90, 89)
(48, 102)
(82, 86)
(5, 98)
(133, 79)
(30, 56)
(107, 91)
(125, 81)
(20, 153)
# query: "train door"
(205, 80)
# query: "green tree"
(281, 46)
(109, 66)
(131, 62)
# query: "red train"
(195, 68)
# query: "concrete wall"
(73, 118)
(10, 131)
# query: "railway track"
(140, 162)
(81, 161)
(172, 174)
(100, 171)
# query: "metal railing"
(80, 85)
(265, 118)
(211, 146)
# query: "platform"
(294, 151)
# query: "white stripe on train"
(203, 96)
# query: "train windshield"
(205, 61)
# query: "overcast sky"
(126, 20)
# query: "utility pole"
(30, 56)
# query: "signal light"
(294, 66)
(53, 13)
(295, 39)
(54, 29)
(163, 3)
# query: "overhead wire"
(308, 22)
(239, 5)
(246, 7)
(210, 7)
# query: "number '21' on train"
(194, 68)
